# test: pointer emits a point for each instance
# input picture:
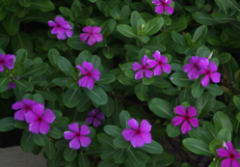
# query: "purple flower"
(163, 4)
(210, 70)
(143, 68)
(61, 28)
(230, 154)
(78, 137)
(39, 121)
(138, 136)
(7, 61)
(94, 117)
(90, 73)
(160, 63)
(25, 105)
(11, 85)
(185, 118)
(193, 68)
(92, 33)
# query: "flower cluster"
(95, 117)
(158, 64)
(201, 66)
(6, 60)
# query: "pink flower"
(163, 4)
(39, 121)
(92, 33)
(78, 137)
(210, 70)
(7, 61)
(61, 28)
(25, 105)
(160, 63)
(90, 73)
(143, 68)
(193, 68)
(230, 154)
(94, 117)
(185, 118)
(13, 85)
(138, 136)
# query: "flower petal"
(156, 2)
(96, 122)
(48, 116)
(68, 135)
(226, 162)
(202, 71)
(193, 73)
(148, 73)
(18, 105)
(87, 29)
(1, 67)
(69, 33)
(100, 116)
(82, 70)
(152, 63)
(93, 112)
(159, 9)
(20, 115)
(235, 163)
(90, 83)
(66, 25)
(166, 68)
(194, 59)
(34, 127)
(9, 61)
(38, 109)
(85, 130)
(212, 67)
(54, 30)
(216, 77)
(163, 59)
(139, 75)
(85, 141)
(44, 128)
(83, 37)
(157, 55)
(59, 20)
(133, 123)
(87, 66)
(74, 143)
(229, 147)
(157, 70)
(144, 60)
(61, 36)
(128, 134)
(28, 102)
(96, 29)
(74, 127)
(98, 37)
(180, 110)
(137, 141)
(89, 120)
(145, 126)
(91, 40)
(205, 81)
(185, 127)
(192, 112)
(51, 23)
(187, 67)
(236, 154)
(194, 122)
(222, 152)
(83, 82)
(169, 9)
(147, 137)
(96, 74)
(136, 66)
(168, 2)
(30, 117)
(203, 63)
(177, 120)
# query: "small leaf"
(126, 30)
(152, 148)
(113, 130)
(69, 154)
(97, 95)
(7, 124)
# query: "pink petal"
(38, 109)
(202, 71)
(48, 116)
(144, 60)
(137, 141)
(20, 115)
(187, 67)
(61, 36)
(194, 59)
(148, 73)
(212, 67)
(1, 67)
(193, 73)
(194, 122)
(146, 136)
(30, 117)
(222, 153)
(157, 70)
(18, 105)
(9, 61)
(236, 154)
(205, 81)
(139, 74)
(157, 55)
(69, 33)
(59, 20)
(83, 82)
(87, 29)
(166, 68)
(68, 135)
(82, 70)
(203, 63)
(54, 30)
(28, 102)
(185, 127)
(96, 29)
(133, 123)
(85, 130)
(12, 85)
(152, 63)
(90, 83)
(44, 128)
(66, 25)
(192, 112)
(96, 74)
(168, 2)
(156, 2)
(128, 134)
(83, 37)
(2, 55)
(145, 126)
(98, 37)
(100, 116)
(52, 23)
(226, 162)
(87, 66)
(93, 112)
(74, 127)
(216, 77)
(180, 110)
(159, 9)
(34, 127)
(136, 66)
(235, 163)
(169, 9)
(229, 147)
(163, 59)
(85, 141)
(74, 143)
(96, 122)
(89, 120)
(91, 40)
(177, 120)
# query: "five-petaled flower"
(185, 118)
(163, 4)
(210, 71)
(95, 116)
(7, 61)
(159, 64)
(143, 68)
(78, 136)
(90, 73)
(61, 28)
(138, 136)
(25, 106)
(230, 154)
(39, 120)
(92, 33)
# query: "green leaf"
(178, 38)
(221, 120)
(231, 4)
(197, 89)
(25, 3)
(205, 104)
(108, 27)
(161, 108)
(76, 8)
(55, 133)
(69, 154)
(60, 121)
(152, 148)
(66, 12)
(214, 89)
(135, 16)
(62, 82)
(71, 97)
(53, 56)
(137, 158)
(62, 144)
(224, 135)
(177, 26)
(57, 160)
(210, 130)
(203, 18)
(224, 58)
(22, 41)
(200, 33)
(126, 30)
(97, 95)
(35, 70)
(40, 139)
(124, 117)
(106, 79)
(153, 26)
(103, 7)
(11, 25)
(214, 146)
(197, 146)
(83, 160)
(216, 163)
(172, 130)
(236, 101)
(108, 53)
(50, 150)
(64, 65)
(222, 18)
(120, 142)
(203, 51)
(106, 140)
(141, 91)
(7, 124)
(113, 130)
(105, 164)
(4, 82)
(43, 5)
(27, 141)
(108, 108)
(180, 79)
(2, 14)
(85, 103)
(23, 85)
(21, 56)
(47, 95)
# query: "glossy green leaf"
(221, 120)
(152, 148)
(50, 150)
(69, 154)
(97, 95)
